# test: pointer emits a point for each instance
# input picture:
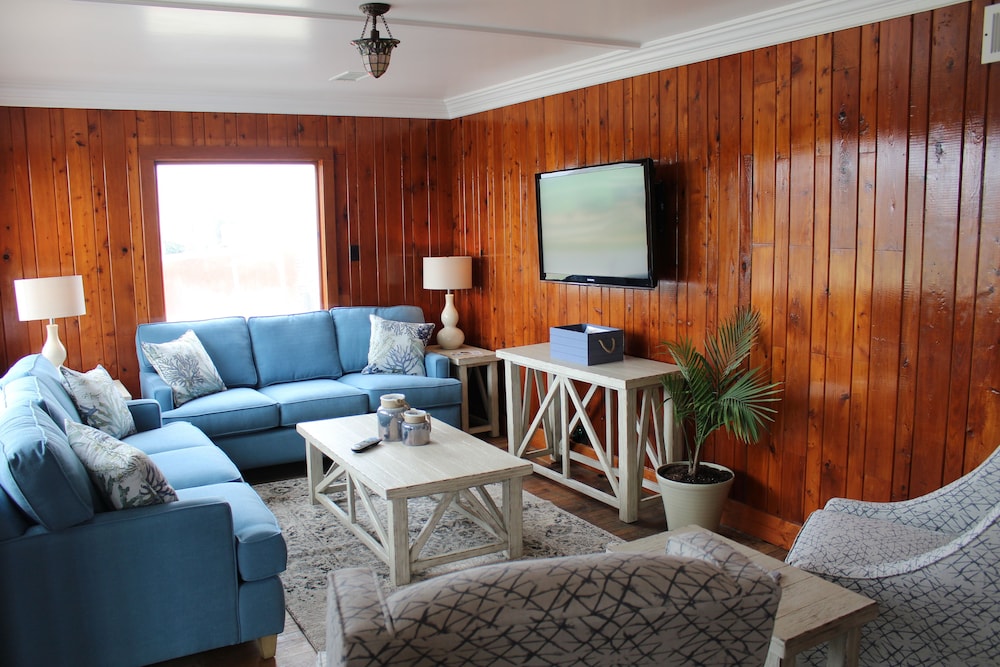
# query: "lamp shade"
(49, 298)
(448, 272)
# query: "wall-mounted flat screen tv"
(595, 224)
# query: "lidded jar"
(390, 416)
(416, 427)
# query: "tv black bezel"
(650, 281)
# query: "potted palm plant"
(710, 391)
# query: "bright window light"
(238, 239)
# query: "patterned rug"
(319, 543)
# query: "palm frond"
(716, 390)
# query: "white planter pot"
(694, 504)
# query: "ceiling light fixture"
(375, 50)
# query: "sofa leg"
(267, 646)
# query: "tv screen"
(595, 224)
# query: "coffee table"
(454, 469)
(812, 610)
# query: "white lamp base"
(54, 350)
(450, 337)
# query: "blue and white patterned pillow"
(185, 366)
(99, 402)
(397, 347)
(124, 475)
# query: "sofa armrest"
(145, 413)
(437, 365)
(153, 386)
(135, 583)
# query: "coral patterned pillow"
(397, 347)
(185, 366)
(124, 475)
(98, 401)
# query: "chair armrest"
(437, 365)
(355, 614)
(703, 545)
(145, 413)
(153, 386)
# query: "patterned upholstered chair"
(704, 605)
(931, 563)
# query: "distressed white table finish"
(454, 468)
(636, 425)
(812, 610)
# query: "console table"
(634, 415)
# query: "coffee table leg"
(314, 470)
(398, 547)
(513, 512)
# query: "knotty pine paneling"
(77, 195)
(842, 185)
(847, 185)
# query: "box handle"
(605, 347)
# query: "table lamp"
(448, 273)
(47, 299)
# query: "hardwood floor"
(295, 651)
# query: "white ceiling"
(456, 57)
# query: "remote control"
(367, 443)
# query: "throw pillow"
(185, 366)
(397, 347)
(124, 475)
(99, 402)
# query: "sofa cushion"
(124, 475)
(196, 466)
(421, 392)
(316, 399)
(169, 437)
(234, 411)
(39, 470)
(397, 347)
(186, 366)
(226, 339)
(29, 389)
(260, 549)
(354, 330)
(287, 348)
(99, 402)
(57, 401)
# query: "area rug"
(319, 543)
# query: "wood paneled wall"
(846, 185)
(78, 197)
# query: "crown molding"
(804, 19)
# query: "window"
(238, 239)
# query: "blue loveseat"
(284, 369)
(81, 584)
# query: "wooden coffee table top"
(453, 459)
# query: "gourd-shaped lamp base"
(54, 350)
(450, 337)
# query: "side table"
(812, 610)
(462, 360)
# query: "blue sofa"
(284, 369)
(81, 584)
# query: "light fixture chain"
(386, 26)
(364, 30)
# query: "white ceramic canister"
(390, 416)
(416, 427)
